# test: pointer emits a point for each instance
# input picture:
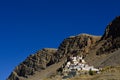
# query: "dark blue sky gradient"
(30, 25)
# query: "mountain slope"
(106, 47)
(111, 37)
(80, 44)
(97, 51)
(44, 58)
(33, 63)
(113, 60)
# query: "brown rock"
(111, 37)
(35, 62)
(85, 44)
(79, 44)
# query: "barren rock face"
(35, 62)
(111, 37)
(113, 29)
(79, 44)
(75, 45)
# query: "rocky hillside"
(111, 37)
(113, 60)
(80, 44)
(98, 51)
(35, 62)
(107, 49)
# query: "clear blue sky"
(30, 25)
